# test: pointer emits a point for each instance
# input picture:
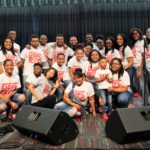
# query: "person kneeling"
(76, 96)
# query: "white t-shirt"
(43, 88)
(63, 72)
(15, 58)
(81, 92)
(137, 50)
(91, 70)
(16, 48)
(55, 51)
(73, 63)
(110, 55)
(9, 84)
(46, 50)
(147, 57)
(102, 51)
(123, 81)
(31, 56)
(127, 53)
(33, 79)
(100, 73)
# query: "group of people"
(104, 73)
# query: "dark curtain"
(72, 17)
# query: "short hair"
(79, 46)
(34, 36)
(78, 73)
(101, 37)
(38, 64)
(7, 60)
(88, 44)
(57, 35)
(60, 54)
(11, 29)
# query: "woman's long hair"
(54, 78)
(125, 42)
(131, 34)
(113, 42)
(121, 71)
(4, 49)
(89, 58)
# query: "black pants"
(47, 102)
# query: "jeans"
(70, 110)
(121, 100)
(107, 98)
(28, 96)
(137, 83)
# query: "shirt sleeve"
(70, 51)
(69, 88)
(70, 63)
(128, 52)
(42, 57)
(18, 83)
(97, 74)
(90, 90)
(23, 54)
(125, 79)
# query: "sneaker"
(135, 94)
(105, 116)
(12, 116)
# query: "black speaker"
(127, 125)
(48, 125)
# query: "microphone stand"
(144, 74)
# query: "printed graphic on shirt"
(134, 50)
(92, 70)
(46, 89)
(60, 75)
(46, 53)
(34, 57)
(8, 87)
(147, 54)
(80, 94)
(116, 83)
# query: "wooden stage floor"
(91, 136)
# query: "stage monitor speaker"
(48, 125)
(127, 125)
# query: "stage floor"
(91, 136)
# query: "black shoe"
(6, 119)
(6, 129)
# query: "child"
(104, 78)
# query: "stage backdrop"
(72, 17)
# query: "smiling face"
(79, 54)
(37, 70)
(73, 41)
(12, 35)
(8, 44)
(95, 56)
(35, 42)
(60, 60)
(120, 40)
(109, 44)
(78, 80)
(50, 74)
(115, 66)
(43, 39)
(136, 35)
(60, 41)
(100, 43)
(9, 67)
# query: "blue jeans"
(107, 98)
(121, 100)
(70, 110)
(28, 95)
(137, 83)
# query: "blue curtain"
(77, 17)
